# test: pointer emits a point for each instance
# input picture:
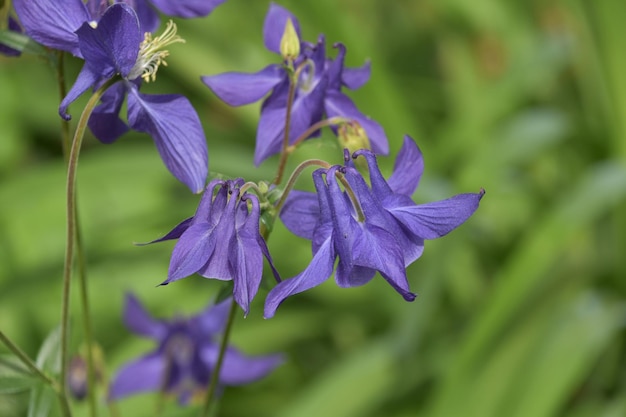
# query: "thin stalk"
(72, 227)
(291, 182)
(80, 253)
(21, 355)
(220, 359)
(312, 129)
(283, 153)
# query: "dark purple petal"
(85, 80)
(335, 68)
(238, 88)
(274, 26)
(175, 127)
(324, 228)
(51, 23)
(247, 263)
(436, 219)
(191, 252)
(300, 213)
(105, 122)
(318, 271)
(139, 321)
(175, 233)
(112, 47)
(186, 8)
(338, 104)
(407, 169)
(144, 374)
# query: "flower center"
(152, 55)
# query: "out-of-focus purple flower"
(114, 46)
(222, 241)
(5, 50)
(186, 355)
(318, 90)
(377, 229)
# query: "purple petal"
(105, 122)
(52, 25)
(191, 252)
(407, 169)
(240, 369)
(247, 263)
(338, 104)
(213, 319)
(139, 321)
(144, 374)
(85, 80)
(274, 26)
(238, 88)
(111, 47)
(318, 271)
(175, 233)
(148, 18)
(300, 213)
(436, 219)
(175, 127)
(186, 8)
(354, 78)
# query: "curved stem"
(215, 375)
(72, 227)
(294, 177)
(283, 153)
(313, 128)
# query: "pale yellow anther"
(151, 55)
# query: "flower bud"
(290, 43)
(352, 136)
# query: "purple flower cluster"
(318, 90)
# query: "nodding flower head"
(151, 53)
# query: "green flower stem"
(21, 355)
(80, 253)
(294, 177)
(314, 127)
(290, 97)
(72, 227)
(220, 359)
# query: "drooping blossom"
(318, 89)
(222, 241)
(115, 47)
(374, 228)
(185, 356)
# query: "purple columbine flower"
(222, 241)
(114, 46)
(186, 355)
(318, 90)
(376, 229)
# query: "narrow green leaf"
(21, 43)
(12, 384)
(49, 356)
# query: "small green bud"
(290, 43)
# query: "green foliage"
(520, 311)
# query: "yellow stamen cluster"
(151, 55)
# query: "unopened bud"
(290, 43)
(352, 136)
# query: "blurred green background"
(521, 311)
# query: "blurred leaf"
(21, 43)
(49, 355)
(15, 384)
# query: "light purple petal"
(186, 8)
(408, 168)
(105, 122)
(144, 374)
(111, 47)
(191, 252)
(300, 213)
(354, 78)
(318, 271)
(247, 263)
(240, 369)
(51, 25)
(148, 18)
(338, 104)
(274, 26)
(175, 127)
(269, 134)
(436, 219)
(213, 319)
(139, 321)
(239, 88)
(85, 80)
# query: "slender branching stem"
(312, 129)
(294, 177)
(22, 356)
(215, 375)
(72, 227)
